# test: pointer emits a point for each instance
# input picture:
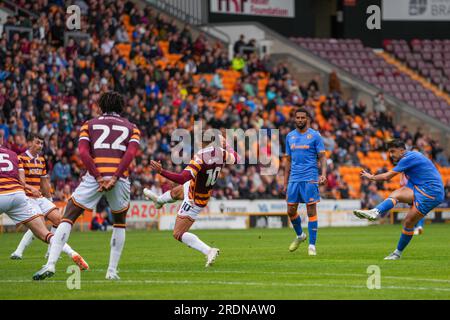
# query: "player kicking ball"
(33, 175)
(196, 183)
(13, 200)
(304, 149)
(107, 146)
(424, 190)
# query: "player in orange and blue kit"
(424, 190)
(304, 148)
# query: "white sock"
(191, 240)
(165, 198)
(52, 230)
(27, 238)
(117, 242)
(398, 252)
(68, 250)
(58, 242)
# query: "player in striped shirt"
(107, 146)
(13, 201)
(33, 175)
(196, 184)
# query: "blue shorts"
(425, 202)
(303, 192)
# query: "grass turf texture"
(253, 264)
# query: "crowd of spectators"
(44, 88)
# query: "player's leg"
(186, 217)
(28, 237)
(170, 196)
(404, 195)
(409, 222)
(85, 197)
(293, 199)
(62, 234)
(311, 210)
(422, 204)
(59, 241)
(54, 217)
(119, 201)
(310, 193)
(117, 243)
(24, 243)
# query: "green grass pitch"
(253, 264)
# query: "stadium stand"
(430, 58)
(382, 72)
(171, 79)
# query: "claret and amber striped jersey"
(109, 136)
(9, 172)
(205, 168)
(34, 168)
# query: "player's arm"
(46, 187)
(129, 155)
(179, 178)
(323, 167)
(287, 164)
(379, 177)
(320, 149)
(84, 150)
(232, 156)
(403, 165)
(287, 171)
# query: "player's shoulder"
(413, 155)
(208, 153)
(314, 133)
(23, 155)
(292, 134)
(8, 151)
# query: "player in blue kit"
(424, 190)
(304, 149)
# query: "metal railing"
(16, 8)
(194, 12)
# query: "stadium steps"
(414, 75)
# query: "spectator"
(61, 171)
(238, 44)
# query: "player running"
(304, 148)
(107, 146)
(424, 190)
(13, 200)
(33, 175)
(196, 183)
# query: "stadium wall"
(243, 214)
(302, 25)
(355, 17)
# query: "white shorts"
(188, 208)
(87, 197)
(42, 205)
(18, 207)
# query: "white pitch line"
(272, 273)
(238, 283)
(278, 273)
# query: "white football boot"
(211, 256)
(396, 255)
(112, 275)
(370, 215)
(294, 245)
(45, 272)
(312, 250)
(150, 195)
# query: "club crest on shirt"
(309, 136)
